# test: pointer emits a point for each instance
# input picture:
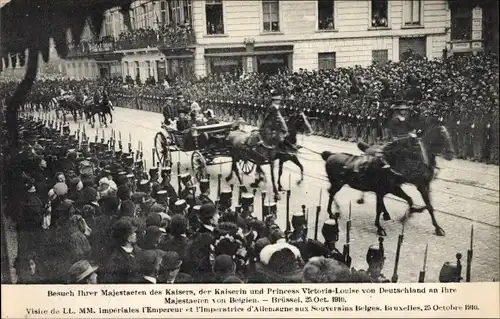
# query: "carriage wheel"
(163, 150)
(246, 166)
(199, 165)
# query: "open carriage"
(205, 142)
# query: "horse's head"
(298, 122)
(438, 141)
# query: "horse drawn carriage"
(206, 143)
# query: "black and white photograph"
(249, 142)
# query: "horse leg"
(280, 172)
(296, 161)
(380, 208)
(332, 191)
(277, 196)
(399, 192)
(425, 192)
(258, 176)
(110, 118)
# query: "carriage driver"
(274, 126)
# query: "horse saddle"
(359, 164)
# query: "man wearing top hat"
(188, 186)
(274, 129)
(166, 185)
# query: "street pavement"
(464, 194)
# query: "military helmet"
(166, 171)
(247, 201)
(269, 209)
(375, 253)
(451, 271)
(180, 206)
(298, 219)
(226, 195)
(204, 185)
(330, 231)
(144, 186)
(162, 196)
(185, 178)
(153, 172)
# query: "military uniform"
(274, 128)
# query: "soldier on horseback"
(274, 129)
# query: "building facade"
(181, 38)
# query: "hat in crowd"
(166, 171)
(260, 244)
(204, 185)
(60, 189)
(224, 264)
(153, 171)
(376, 252)
(153, 219)
(400, 105)
(171, 261)
(451, 271)
(80, 270)
(147, 261)
(330, 230)
(185, 178)
(157, 208)
(122, 229)
(207, 210)
(181, 205)
(153, 233)
(281, 262)
(298, 219)
(144, 186)
(276, 235)
(232, 280)
(269, 208)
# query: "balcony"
(166, 37)
(90, 47)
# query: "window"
(108, 24)
(379, 13)
(163, 13)
(215, 17)
(137, 70)
(380, 56)
(412, 14)
(127, 71)
(270, 13)
(145, 10)
(461, 23)
(326, 60)
(148, 65)
(326, 19)
(175, 11)
(132, 19)
(188, 10)
(226, 65)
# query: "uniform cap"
(330, 230)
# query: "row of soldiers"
(98, 164)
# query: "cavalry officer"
(399, 124)
(274, 126)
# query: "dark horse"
(408, 156)
(91, 109)
(70, 106)
(246, 146)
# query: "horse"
(101, 110)
(409, 155)
(297, 122)
(69, 105)
(246, 146)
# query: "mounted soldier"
(274, 129)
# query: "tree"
(28, 25)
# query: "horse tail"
(325, 155)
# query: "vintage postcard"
(228, 158)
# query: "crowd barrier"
(475, 142)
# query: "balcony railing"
(166, 37)
(86, 48)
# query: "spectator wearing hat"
(122, 264)
(197, 261)
(279, 263)
(223, 267)
(101, 234)
(82, 272)
(29, 221)
(177, 240)
(208, 218)
(152, 239)
(170, 268)
(325, 270)
(375, 258)
(148, 262)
